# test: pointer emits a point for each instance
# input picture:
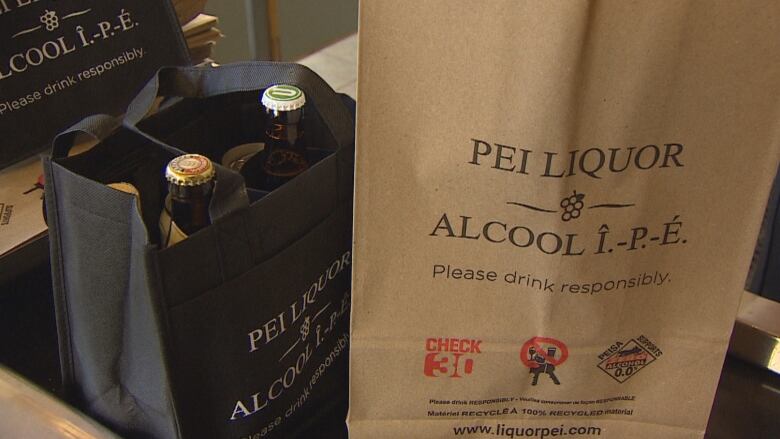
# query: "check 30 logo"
(450, 357)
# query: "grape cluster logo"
(305, 328)
(50, 19)
(542, 355)
(571, 206)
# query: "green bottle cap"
(283, 97)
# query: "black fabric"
(28, 334)
(86, 68)
(240, 329)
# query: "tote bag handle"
(97, 126)
(193, 82)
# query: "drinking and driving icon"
(541, 355)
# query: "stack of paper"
(201, 35)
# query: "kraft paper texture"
(556, 207)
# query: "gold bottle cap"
(283, 97)
(189, 170)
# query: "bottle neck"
(190, 206)
(285, 155)
(284, 128)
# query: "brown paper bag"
(556, 206)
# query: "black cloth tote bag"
(240, 330)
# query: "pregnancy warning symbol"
(542, 355)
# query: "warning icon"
(627, 361)
(542, 355)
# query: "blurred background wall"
(281, 30)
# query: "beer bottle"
(190, 185)
(284, 156)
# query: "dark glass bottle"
(190, 186)
(284, 155)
